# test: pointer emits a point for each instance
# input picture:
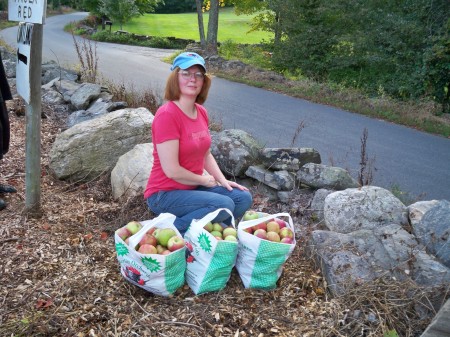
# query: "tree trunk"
(277, 39)
(213, 27)
(201, 27)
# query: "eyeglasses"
(188, 75)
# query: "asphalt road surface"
(414, 162)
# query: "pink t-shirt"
(194, 141)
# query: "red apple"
(261, 225)
(260, 233)
(287, 240)
(250, 215)
(248, 230)
(134, 227)
(229, 231)
(148, 239)
(175, 243)
(151, 231)
(286, 233)
(166, 252)
(147, 249)
(272, 236)
(273, 226)
(280, 222)
(123, 233)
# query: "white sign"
(32, 11)
(24, 37)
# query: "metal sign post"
(31, 15)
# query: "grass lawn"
(185, 26)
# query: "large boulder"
(323, 176)
(289, 159)
(91, 148)
(433, 231)
(235, 151)
(367, 207)
(364, 255)
(130, 175)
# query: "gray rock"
(235, 151)
(279, 180)
(418, 209)
(289, 159)
(52, 70)
(440, 325)
(322, 176)
(52, 97)
(367, 207)
(433, 231)
(92, 148)
(318, 202)
(130, 175)
(84, 95)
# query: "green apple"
(217, 227)
(163, 235)
(230, 238)
(250, 215)
(209, 227)
(133, 227)
(229, 231)
(216, 234)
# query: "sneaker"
(7, 189)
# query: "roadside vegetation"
(422, 113)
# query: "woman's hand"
(209, 181)
(228, 184)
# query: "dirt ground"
(60, 275)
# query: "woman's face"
(191, 81)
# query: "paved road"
(415, 162)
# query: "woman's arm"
(168, 156)
(214, 170)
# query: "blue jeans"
(187, 205)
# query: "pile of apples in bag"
(156, 241)
(274, 230)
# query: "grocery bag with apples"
(151, 254)
(265, 243)
(210, 258)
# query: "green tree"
(391, 47)
(92, 6)
(120, 11)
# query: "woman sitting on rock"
(181, 142)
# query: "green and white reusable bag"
(260, 262)
(158, 274)
(209, 261)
